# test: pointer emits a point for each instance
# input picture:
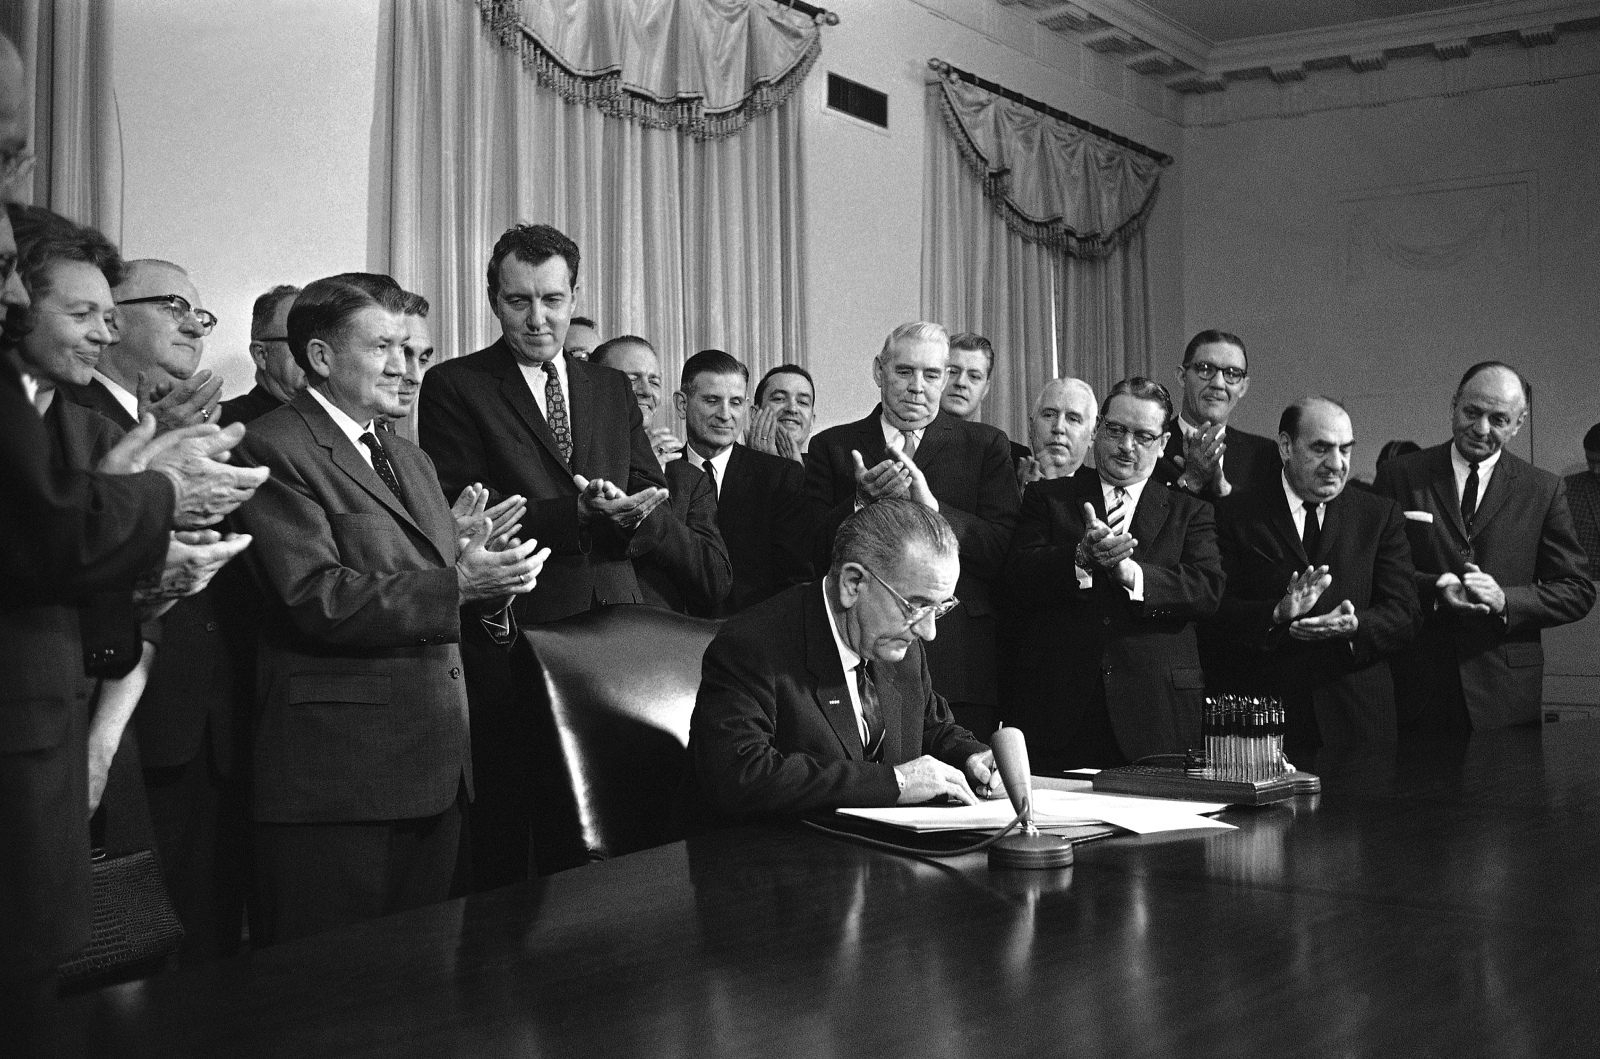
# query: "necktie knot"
(711, 473)
(381, 464)
(910, 438)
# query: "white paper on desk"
(1053, 808)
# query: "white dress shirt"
(127, 400)
(536, 379)
(719, 462)
(1108, 494)
(847, 658)
(1462, 468)
(348, 426)
(1297, 508)
(894, 439)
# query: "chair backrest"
(613, 689)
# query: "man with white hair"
(908, 447)
(1060, 430)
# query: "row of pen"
(1242, 739)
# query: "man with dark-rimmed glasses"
(1204, 456)
(820, 698)
(1108, 575)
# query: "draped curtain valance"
(706, 67)
(1053, 183)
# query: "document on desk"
(1053, 808)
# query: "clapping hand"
(181, 402)
(1483, 589)
(886, 479)
(601, 499)
(505, 517)
(1340, 623)
(484, 573)
(1454, 592)
(1100, 547)
(1028, 472)
(665, 444)
(917, 482)
(1305, 588)
(1202, 459)
(194, 459)
(193, 559)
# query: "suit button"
(1106, 670)
(211, 626)
(1105, 621)
(455, 672)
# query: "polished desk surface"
(1435, 900)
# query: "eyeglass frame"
(171, 301)
(1141, 439)
(914, 613)
(1208, 371)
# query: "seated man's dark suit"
(774, 731)
(187, 722)
(689, 572)
(479, 422)
(362, 707)
(969, 470)
(1249, 461)
(247, 406)
(1341, 689)
(1474, 672)
(63, 535)
(767, 520)
(1093, 656)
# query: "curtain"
(689, 239)
(1033, 236)
(72, 123)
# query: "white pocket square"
(1419, 516)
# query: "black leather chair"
(611, 690)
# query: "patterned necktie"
(910, 446)
(1469, 496)
(555, 414)
(1311, 533)
(871, 712)
(380, 463)
(1117, 515)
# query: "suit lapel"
(1506, 470)
(822, 659)
(431, 515)
(1149, 516)
(1282, 523)
(934, 439)
(1442, 475)
(580, 415)
(327, 434)
(869, 438)
(514, 387)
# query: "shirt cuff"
(1136, 591)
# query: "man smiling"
(1319, 591)
(1204, 455)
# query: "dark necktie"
(870, 710)
(380, 463)
(911, 443)
(711, 473)
(1117, 515)
(1469, 496)
(1311, 534)
(555, 411)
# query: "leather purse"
(132, 923)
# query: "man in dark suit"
(1060, 430)
(908, 447)
(1204, 456)
(523, 419)
(1583, 494)
(1323, 643)
(362, 753)
(820, 697)
(761, 504)
(785, 407)
(1497, 560)
(279, 379)
(689, 571)
(1109, 571)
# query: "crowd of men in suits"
(326, 729)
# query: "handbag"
(132, 920)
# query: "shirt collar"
(892, 436)
(1463, 468)
(848, 658)
(535, 375)
(1295, 503)
(127, 400)
(1134, 491)
(719, 461)
(350, 427)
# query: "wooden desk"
(1436, 901)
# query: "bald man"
(1061, 430)
(1319, 590)
(1497, 560)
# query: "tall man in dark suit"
(689, 571)
(907, 447)
(523, 419)
(820, 697)
(761, 504)
(1497, 560)
(362, 752)
(1110, 571)
(279, 379)
(1583, 493)
(1204, 456)
(1319, 591)
(1060, 431)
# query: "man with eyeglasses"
(1205, 456)
(155, 361)
(1109, 575)
(820, 697)
(279, 379)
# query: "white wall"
(246, 128)
(864, 185)
(1375, 253)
